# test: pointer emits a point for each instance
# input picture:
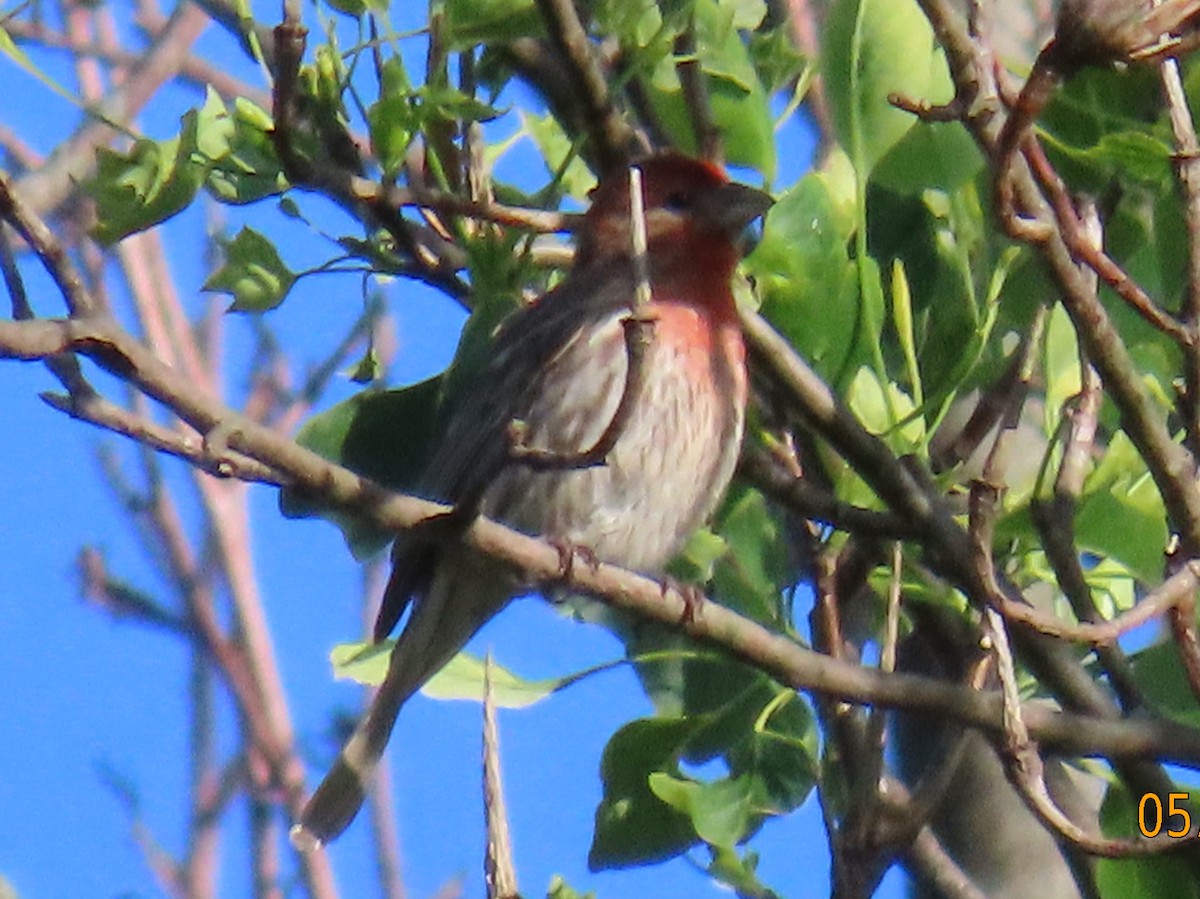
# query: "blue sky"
(85, 693)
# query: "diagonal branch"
(613, 140)
(540, 561)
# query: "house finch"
(559, 368)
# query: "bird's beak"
(731, 207)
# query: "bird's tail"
(464, 594)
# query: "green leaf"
(1121, 512)
(633, 826)
(471, 22)
(1135, 155)
(880, 406)
(291, 209)
(761, 729)
(446, 102)
(374, 252)
(769, 740)
(392, 123)
(147, 185)
(1060, 365)
(872, 307)
(232, 156)
(740, 106)
(939, 155)
(382, 435)
(902, 321)
(252, 273)
(696, 561)
(646, 31)
(803, 269)
(214, 126)
(739, 873)
(751, 577)
(745, 15)
(780, 752)
(368, 369)
(873, 48)
(1147, 234)
(244, 166)
(392, 119)
(1160, 675)
(358, 8)
(738, 100)
(556, 149)
(559, 889)
(719, 42)
(721, 811)
(1095, 129)
(1165, 876)
(461, 677)
(744, 119)
(363, 663)
(403, 112)
(776, 58)
(353, 8)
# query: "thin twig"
(695, 95)
(1026, 771)
(1055, 520)
(1187, 162)
(613, 140)
(119, 599)
(13, 282)
(1171, 465)
(1073, 232)
(98, 411)
(52, 253)
(638, 329)
(499, 873)
(810, 501)
(1181, 619)
(877, 719)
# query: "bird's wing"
(475, 444)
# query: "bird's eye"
(677, 201)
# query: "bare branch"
(541, 562)
(613, 140)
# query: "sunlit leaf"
(461, 678)
(803, 269)
(253, 273)
(873, 48)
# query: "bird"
(558, 368)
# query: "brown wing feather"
(474, 447)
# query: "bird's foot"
(693, 599)
(568, 552)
